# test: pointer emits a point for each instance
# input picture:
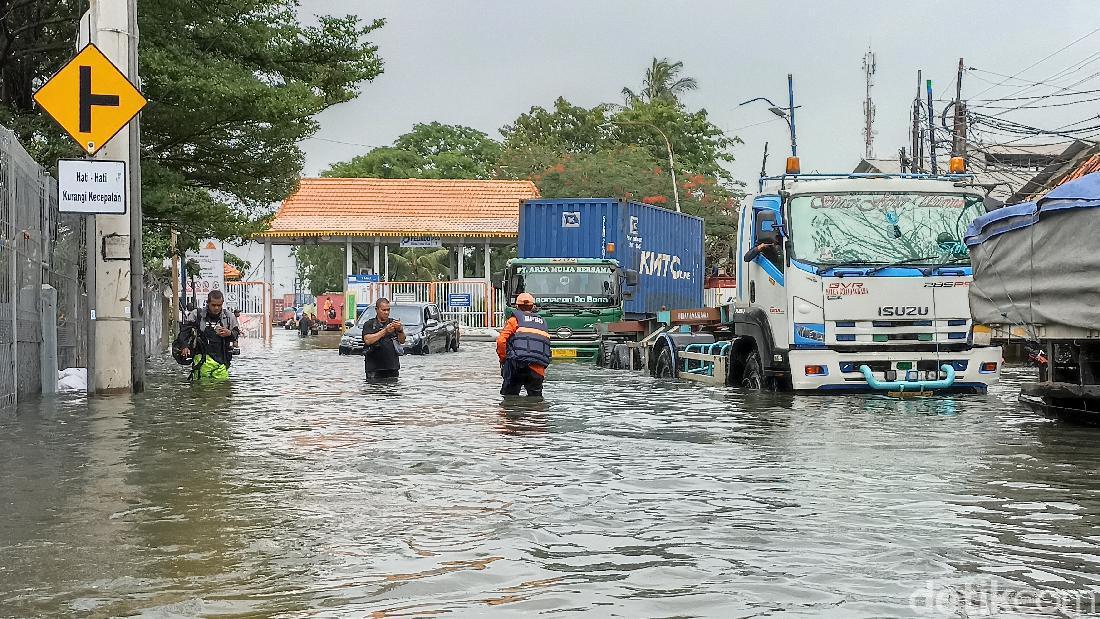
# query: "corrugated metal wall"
(664, 246)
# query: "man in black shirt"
(207, 339)
(381, 337)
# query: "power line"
(344, 143)
(1043, 59)
(1035, 107)
(1064, 73)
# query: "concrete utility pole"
(119, 341)
(869, 67)
(958, 148)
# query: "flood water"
(300, 490)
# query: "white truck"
(844, 282)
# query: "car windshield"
(588, 284)
(882, 228)
(407, 314)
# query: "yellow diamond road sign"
(90, 98)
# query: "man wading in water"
(381, 337)
(206, 340)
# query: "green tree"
(233, 86)
(619, 151)
(419, 265)
(432, 150)
(698, 145)
(381, 162)
(662, 83)
(566, 128)
(322, 267)
(230, 103)
(451, 151)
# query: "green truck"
(573, 295)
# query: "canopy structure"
(328, 208)
(369, 216)
(1038, 264)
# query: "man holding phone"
(381, 337)
(206, 340)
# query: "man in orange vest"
(524, 350)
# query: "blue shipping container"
(665, 247)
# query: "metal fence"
(38, 246)
(473, 303)
(250, 298)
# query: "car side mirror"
(431, 322)
(348, 324)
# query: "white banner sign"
(91, 186)
(421, 241)
(211, 259)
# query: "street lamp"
(786, 113)
(668, 146)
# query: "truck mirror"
(631, 277)
(767, 228)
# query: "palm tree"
(662, 83)
(419, 265)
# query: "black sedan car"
(425, 330)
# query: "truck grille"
(872, 332)
(570, 334)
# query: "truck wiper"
(899, 263)
(565, 304)
(957, 260)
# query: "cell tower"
(869, 106)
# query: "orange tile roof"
(230, 272)
(1092, 164)
(402, 207)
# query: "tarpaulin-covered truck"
(1037, 282)
(593, 261)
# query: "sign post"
(94, 101)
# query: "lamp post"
(668, 147)
(786, 113)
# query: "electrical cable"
(1043, 59)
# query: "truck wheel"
(604, 354)
(613, 357)
(665, 366)
(454, 343)
(753, 375)
(425, 349)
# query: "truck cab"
(860, 282)
(574, 296)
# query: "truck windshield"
(570, 284)
(882, 228)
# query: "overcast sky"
(483, 62)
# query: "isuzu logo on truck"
(899, 310)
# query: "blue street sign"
(363, 279)
(459, 300)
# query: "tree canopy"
(662, 83)
(229, 102)
(431, 150)
(620, 151)
(573, 151)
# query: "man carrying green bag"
(206, 340)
